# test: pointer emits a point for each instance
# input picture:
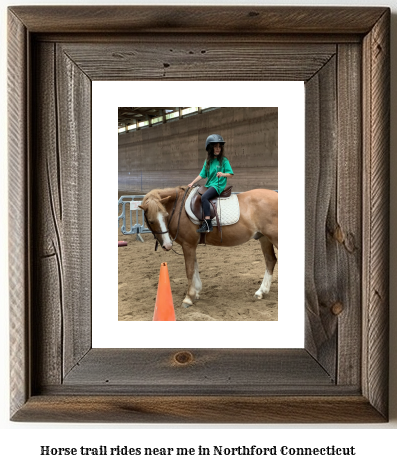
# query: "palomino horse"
(166, 218)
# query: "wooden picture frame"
(342, 54)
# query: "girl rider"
(216, 169)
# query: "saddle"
(197, 209)
(195, 203)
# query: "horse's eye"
(150, 221)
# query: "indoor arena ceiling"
(128, 116)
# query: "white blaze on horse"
(167, 219)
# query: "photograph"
(198, 197)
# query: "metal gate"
(131, 218)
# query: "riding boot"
(206, 226)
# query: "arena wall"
(173, 153)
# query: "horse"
(166, 217)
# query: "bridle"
(155, 233)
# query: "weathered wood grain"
(199, 409)
(347, 225)
(73, 90)
(19, 201)
(48, 282)
(376, 142)
(50, 270)
(62, 202)
(203, 369)
(215, 59)
(194, 39)
(198, 19)
(321, 279)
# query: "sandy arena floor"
(229, 283)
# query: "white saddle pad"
(228, 209)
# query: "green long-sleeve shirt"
(218, 183)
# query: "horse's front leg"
(193, 277)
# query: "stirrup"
(206, 226)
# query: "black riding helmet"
(213, 139)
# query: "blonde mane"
(152, 202)
(152, 199)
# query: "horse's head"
(156, 218)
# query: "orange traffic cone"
(164, 307)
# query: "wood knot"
(337, 308)
(338, 235)
(183, 358)
(347, 239)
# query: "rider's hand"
(190, 184)
(220, 174)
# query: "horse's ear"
(143, 206)
(164, 200)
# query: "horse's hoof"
(258, 296)
(186, 305)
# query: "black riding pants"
(208, 195)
